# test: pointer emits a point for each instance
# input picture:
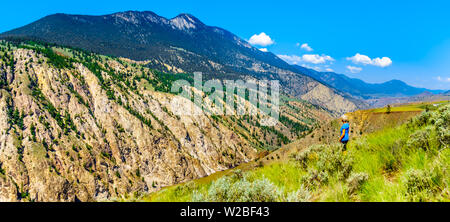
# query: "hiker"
(344, 132)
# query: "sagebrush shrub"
(419, 185)
(301, 195)
(420, 139)
(226, 189)
(355, 181)
(422, 119)
(237, 174)
(442, 125)
(261, 190)
(197, 196)
(439, 119)
(332, 160)
(302, 157)
(311, 179)
(323, 162)
(220, 189)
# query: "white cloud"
(263, 49)
(354, 69)
(308, 58)
(383, 62)
(262, 39)
(329, 70)
(306, 47)
(291, 59)
(316, 59)
(443, 79)
(360, 59)
(317, 68)
(366, 60)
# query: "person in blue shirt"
(344, 132)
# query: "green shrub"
(425, 184)
(323, 162)
(422, 119)
(419, 185)
(237, 175)
(355, 182)
(226, 189)
(302, 157)
(439, 119)
(314, 179)
(301, 195)
(332, 160)
(420, 139)
(443, 125)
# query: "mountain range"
(185, 44)
(182, 44)
(359, 88)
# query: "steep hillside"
(181, 44)
(81, 126)
(394, 162)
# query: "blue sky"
(349, 37)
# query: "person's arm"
(342, 136)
